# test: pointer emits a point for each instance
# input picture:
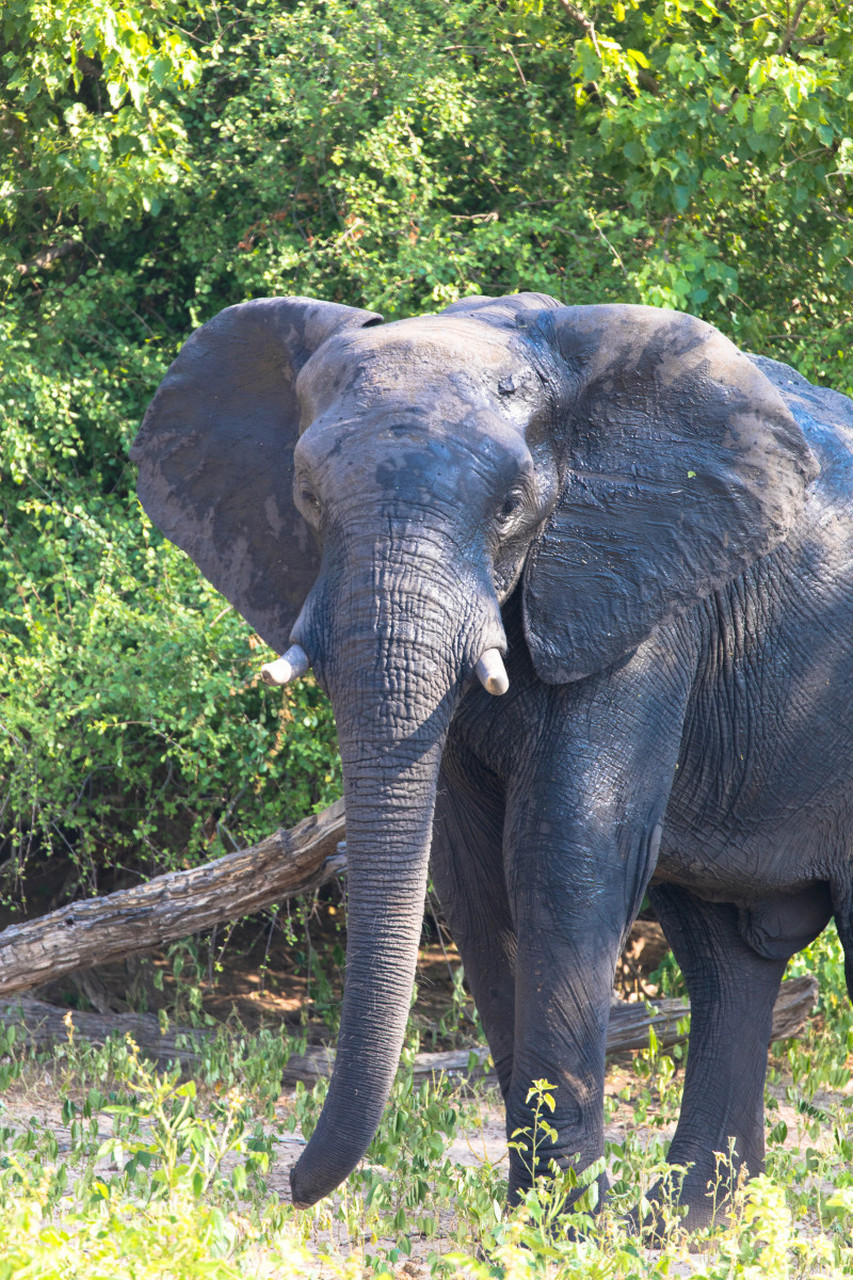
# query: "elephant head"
(374, 493)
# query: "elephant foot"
(684, 1203)
(564, 1194)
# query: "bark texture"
(40, 1025)
(174, 905)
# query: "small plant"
(161, 1141)
(660, 1099)
(177, 1173)
(407, 1153)
(528, 1141)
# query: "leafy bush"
(160, 162)
(135, 727)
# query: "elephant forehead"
(433, 363)
(406, 456)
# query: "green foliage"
(134, 724)
(143, 1173)
(737, 149)
(159, 162)
(157, 1187)
(88, 99)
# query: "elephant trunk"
(388, 837)
(393, 695)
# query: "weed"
(147, 1173)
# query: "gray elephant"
(641, 541)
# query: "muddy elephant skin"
(649, 534)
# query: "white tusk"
(491, 672)
(286, 668)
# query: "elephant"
(578, 581)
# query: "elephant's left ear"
(679, 464)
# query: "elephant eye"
(309, 499)
(510, 506)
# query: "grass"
(110, 1167)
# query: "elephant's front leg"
(582, 830)
(563, 988)
(467, 868)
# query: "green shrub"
(160, 162)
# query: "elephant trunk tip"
(288, 667)
(297, 1197)
(491, 672)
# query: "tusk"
(491, 672)
(286, 668)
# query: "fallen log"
(175, 905)
(179, 903)
(41, 1025)
(628, 1029)
(629, 1023)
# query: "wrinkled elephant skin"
(650, 535)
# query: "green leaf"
(638, 57)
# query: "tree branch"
(48, 256)
(45, 1024)
(175, 905)
(577, 15)
(788, 38)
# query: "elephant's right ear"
(215, 454)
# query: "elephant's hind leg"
(467, 868)
(842, 906)
(732, 992)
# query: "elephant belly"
(772, 818)
(737, 868)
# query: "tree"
(162, 161)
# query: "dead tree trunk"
(41, 1025)
(173, 906)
